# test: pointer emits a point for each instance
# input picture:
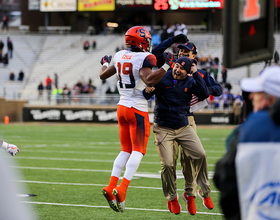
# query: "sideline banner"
(61, 114)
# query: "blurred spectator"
(10, 47)
(93, 44)
(170, 31)
(224, 75)
(12, 76)
(225, 97)
(49, 83)
(5, 59)
(40, 90)
(57, 93)
(230, 99)
(238, 96)
(276, 57)
(21, 76)
(183, 28)
(55, 80)
(78, 87)
(244, 176)
(228, 86)
(211, 101)
(203, 63)
(1, 47)
(164, 35)
(237, 110)
(217, 102)
(5, 23)
(215, 69)
(91, 92)
(209, 64)
(66, 93)
(156, 38)
(86, 45)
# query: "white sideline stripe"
(137, 174)
(65, 169)
(106, 207)
(75, 159)
(79, 152)
(91, 184)
(86, 160)
(93, 153)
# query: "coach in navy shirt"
(173, 95)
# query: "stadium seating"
(43, 55)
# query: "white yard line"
(96, 153)
(75, 159)
(85, 160)
(106, 207)
(62, 169)
(138, 174)
(91, 184)
(82, 152)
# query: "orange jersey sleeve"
(150, 61)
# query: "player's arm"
(158, 51)
(215, 88)
(106, 70)
(148, 92)
(151, 78)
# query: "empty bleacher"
(43, 55)
(26, 50)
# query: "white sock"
(133, 164)
(119, 163)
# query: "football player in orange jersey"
(133, 67)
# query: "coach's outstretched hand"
(106, 59)
(169, 59)
(180, 38)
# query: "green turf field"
(66, 166)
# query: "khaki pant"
(189, 141)
(188, 167)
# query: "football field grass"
(67, 166)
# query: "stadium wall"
(11, 108)
(105, 114)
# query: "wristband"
(165, 67)
(106, 64)
(4, 145)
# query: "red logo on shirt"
(126, 57)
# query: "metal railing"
(80, 99)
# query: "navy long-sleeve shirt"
(215, 88)
(173, 99)
(159, 51)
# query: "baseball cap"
(268, 81)
(185, 62)
(189, 46)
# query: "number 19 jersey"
(130, 85)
